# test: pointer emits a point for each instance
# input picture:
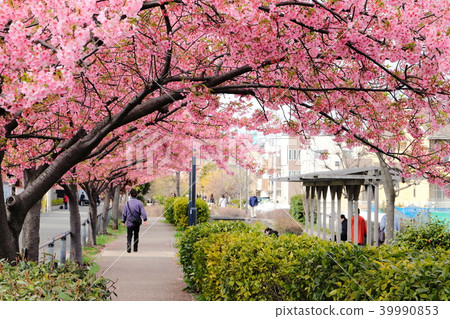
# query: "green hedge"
(296, 208)
(57, 202)
(47, 281)
(188, 247)
(223, 261)
(168, 210)
(176, 211)
(435, 233)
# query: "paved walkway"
(152, 273)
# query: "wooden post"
(349, 211)
(319, 213)
(324, 211)
(376, 206)
(339, 196)
(333, 214)
(356, 190)
(312, 206)
(369, 214)
(307, 209)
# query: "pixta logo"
(148, 153)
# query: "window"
(295, 155)
(290, 155)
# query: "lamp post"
(192, 209)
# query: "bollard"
(62, 250)
(99, 220)
(51, 247)
(83, 234)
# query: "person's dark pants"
(133, 230)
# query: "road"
(56, 222)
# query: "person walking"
(132, 215)
(211, 201)
(66, 201)
(253, 202)
(223, 201)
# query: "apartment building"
(284, 156)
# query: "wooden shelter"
(336, 185)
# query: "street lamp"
(192, 209)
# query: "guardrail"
(48, 248)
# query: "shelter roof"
(351, 176)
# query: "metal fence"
(47, 249)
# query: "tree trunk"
(106, 207)
(389, 190)
(9, 246)
(32, 222)
(177, 183)
(75, 223)
(91, 194)
(115, 208)
(30, 233)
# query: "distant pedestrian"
(211, 201)
(382, 228)
(132, 215)
(223, 201)
(362, 229)
(343, 228)
(253, 202)
(66, 201)
(82, 198)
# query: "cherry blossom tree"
(77, 76)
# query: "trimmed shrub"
(235, 202)
(57, 202)
(160, 199)
(432, 234)
(180, 211)
(47, 281)
(240, 263)
(297, 211)
(187, 244)
(168, 210)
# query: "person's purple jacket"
(137, 207)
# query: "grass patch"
(90, 253)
